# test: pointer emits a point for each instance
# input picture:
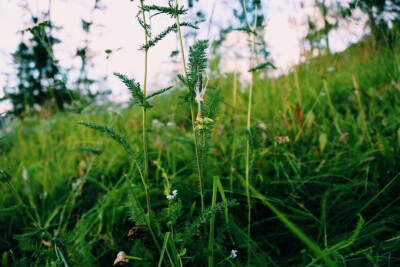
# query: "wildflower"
(233, 253)
(282, 139)
(175, 192)
(170, 197)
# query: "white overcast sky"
(116, 27)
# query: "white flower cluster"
(174, 193)
(233, 254)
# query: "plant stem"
(146, 162)
(192, 111)
(253, 28)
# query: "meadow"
(312, 180)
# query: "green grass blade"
(212, 224)
(166, 237)
(294, 229)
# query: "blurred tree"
(40, 81)
(330, 13)
(381, 13)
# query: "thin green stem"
(146, 162)
(192, 111)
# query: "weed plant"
(319, 163)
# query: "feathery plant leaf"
(159, 92)
(146, 27)
(212, 103)
(164, 33)
(247, 30)
(135, 210)
(197, 63)
(134, 88)
(166, 10)
(5, 177)
(204, 218)
(113, 135)
(262, 66)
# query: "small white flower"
(170, 197)
(175, 192)
(233, 253)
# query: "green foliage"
(211, 110)
(159, 37)
(256, 2)
(135, 210)
(159, 92)
(113, 135)
(38, 74)
(15, 209)
(171, 11)
(5, 177)
(134, 88)
(212, 103)
(203, 219)
(262, 66)
(197, 64)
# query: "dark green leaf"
(262, 66)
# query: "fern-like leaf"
(113, 135)
(197, 63)
(134, 88)
(212, 103)
(204, 218)
(262, 66)
(166, 10)
(159, 92)
(164, 33)
(135, 210)
(247, 30)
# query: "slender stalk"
(192, 111)
(253, 28)
(146, 162)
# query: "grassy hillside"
(325, 155)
